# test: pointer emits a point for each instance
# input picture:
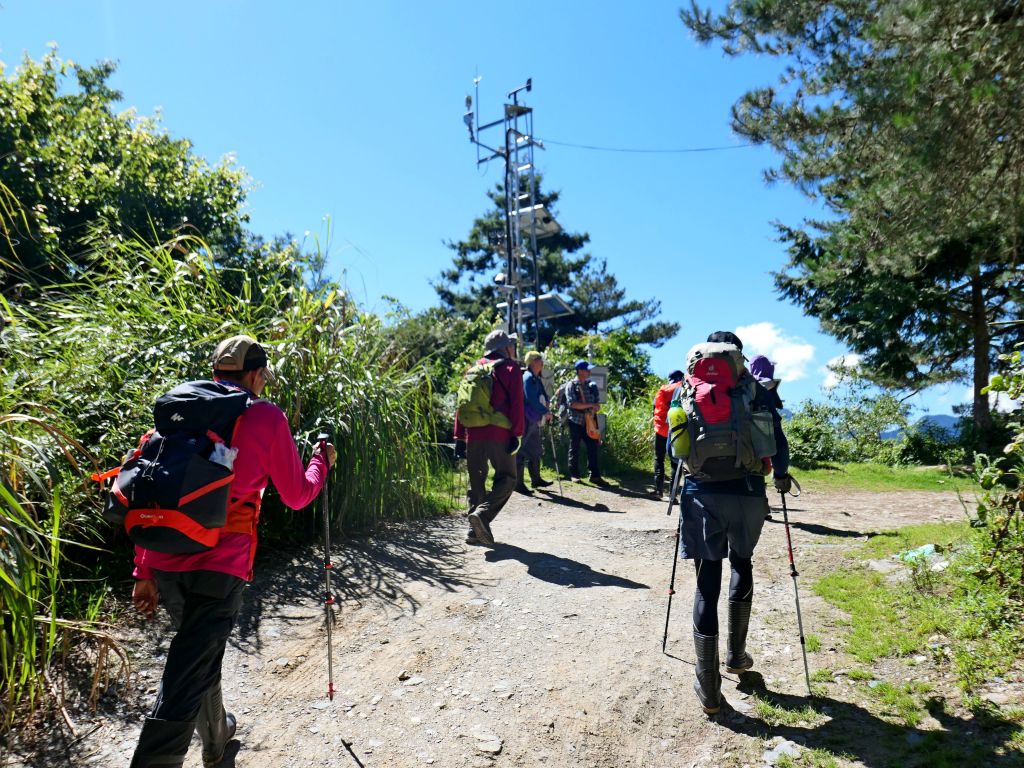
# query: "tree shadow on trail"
(289, 586)
(859, 734)
(824, 530)
(559, 570)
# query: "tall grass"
(33, 530)
(629, 439)
(93, 355)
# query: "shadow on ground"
(559, 570)
(857, 734)
(289, 586)
(824, 530)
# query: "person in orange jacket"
(660, 420)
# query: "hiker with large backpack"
(219, 439)
(536, 414)
(582, 401)
(489, 417)
(662, 400)
(731, 441)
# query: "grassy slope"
(879, 477)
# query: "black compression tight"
(709, 585)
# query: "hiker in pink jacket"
(203, 591)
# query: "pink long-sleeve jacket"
(266, 453)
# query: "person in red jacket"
(203, 592)
(493, 445)
(661, 403)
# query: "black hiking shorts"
(712, 524)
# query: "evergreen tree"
(599, 302)
(907, 119)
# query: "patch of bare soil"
(544, 651)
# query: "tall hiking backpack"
(172, 492)
(714, 425)
(473, 397)
(562, 402)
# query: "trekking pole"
(675, 557)
(328, 567)
(796, 591)
(554, 458)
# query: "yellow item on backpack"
(678, 434)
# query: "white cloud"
(791, 355)
(849, 360)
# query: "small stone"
(490, 746)
(414, 681)
(783, 749)
(403, 675)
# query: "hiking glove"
(784, 483)
(513, 446)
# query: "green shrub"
(629, 439)
(89, 359)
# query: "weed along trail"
(546, 650)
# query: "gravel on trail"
(543, 651)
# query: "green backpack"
(473, 399)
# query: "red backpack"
(729, 439)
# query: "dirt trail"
(545, 651)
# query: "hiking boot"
(213, 760)
(535, 478)
(473, 541)
(708, 682)
(481, 529)
(520, 482)
(575, 478)
(598, 480)
(738, 660)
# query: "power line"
(644, 151)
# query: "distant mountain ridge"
(944, 421)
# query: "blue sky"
(353, 111)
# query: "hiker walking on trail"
(582, 398)
(536, 414)
(202, 590)
(489, 417)
(660, 420)
(763, 369)
(735, 440)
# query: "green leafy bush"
(84, 362)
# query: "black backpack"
(172, 492)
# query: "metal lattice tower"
(521, 276)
